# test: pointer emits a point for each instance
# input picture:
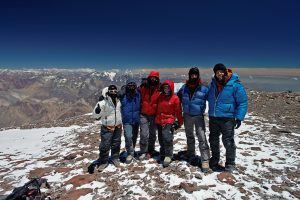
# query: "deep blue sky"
(105, 34)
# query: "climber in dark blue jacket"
(228, 105)
(193, 97)
(130, 98)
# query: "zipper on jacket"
(216, 99)
(116, 112)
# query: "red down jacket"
(168, 107)
(149, 96)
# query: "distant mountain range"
(39, 96)
(34, 96)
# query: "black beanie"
(222, 67)
(194, 70)
(112, 87)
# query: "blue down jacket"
(230, 102)
(130, 106)
(195, 105)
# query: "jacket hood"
(154, 73)
(130, 80)
(170, 83)
(232, 77)
(104, 91)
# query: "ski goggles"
(114, 91)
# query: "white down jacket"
(110, 115)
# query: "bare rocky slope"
(34, 96)
(37, 96)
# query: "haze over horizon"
(146, 34)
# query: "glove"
(237, 123)
(91, 168)
(98, 109)
(175, 125)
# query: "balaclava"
(195, 71)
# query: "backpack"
(29, 191)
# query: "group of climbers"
(153, 107)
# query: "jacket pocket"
(226, 107)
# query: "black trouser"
(224, 126)
(165, 138)
(110, 140)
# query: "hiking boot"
(145, 156)
(116, 162)
(167, 161)
(230, 168)
(205, 166)
(129, 158)
(217, 168)
(142, 156)
(102, 167)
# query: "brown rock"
(20, 161)
(227, 177)
(198, 176)
(203, 187)
(4, 170)
(242, 190)
(135, 177)
(137, 169)
(63, 169)
(70, 156)
(248, 143)
(49, 158)
(142, 198)
(75, 194)
(40, 172)
(263, 160)
(80, 180)
(255, 148)
(189, 187)
(276, 188)
(246, 154)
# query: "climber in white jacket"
(108, 111)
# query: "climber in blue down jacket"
(130, 98)
(228, 105)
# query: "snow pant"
(165, 138)
(148, 133)
(224, 126)
(110, 140)
(198, 122)
(130, 133)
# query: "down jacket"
(197, 103)
(149, 97)
(168, 107)
(130, 106)
(230, 102)
(110, 114)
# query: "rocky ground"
(267, 161)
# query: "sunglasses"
(112, 91)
